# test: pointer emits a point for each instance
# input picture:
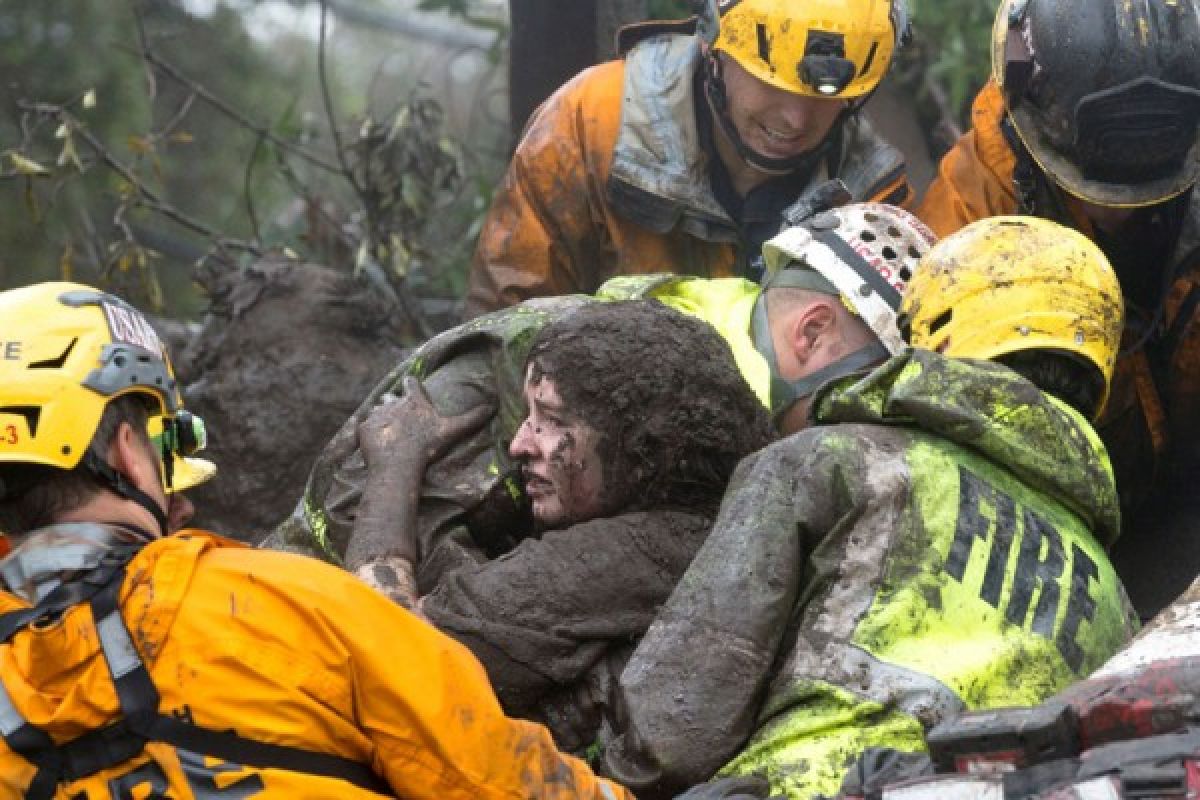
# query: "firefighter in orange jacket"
(1090, 119)
(683, 155)
(135, 664)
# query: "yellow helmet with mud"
(1008, 284)
(820, 48)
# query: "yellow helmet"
(66, 351)
(1006, 284)
(820, 48)
(179, 440)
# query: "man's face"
(772, 122)
(563, 473)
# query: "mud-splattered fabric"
(544, 617)
(934, 543)
(610, 178)
(1154, 409)
(470, 500)
(553, 618)
(289, 651)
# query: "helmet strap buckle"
(119, 484)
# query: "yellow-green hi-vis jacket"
(935, 542)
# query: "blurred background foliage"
(217, 110)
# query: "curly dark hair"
(662, 390)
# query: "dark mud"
(554, 620)
(673, 413)
(1158, 554)
(287, 353)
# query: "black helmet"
(1105, 94)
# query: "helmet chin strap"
(718, 100)
(784, 392)
(121, 485)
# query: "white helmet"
(866, 252)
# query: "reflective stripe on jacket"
(288, 651)
(610, 179)
(935, 543)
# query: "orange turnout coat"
(283, 650)
(611, 178)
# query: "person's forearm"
(387, 514)
(394, 577)
(382, 547)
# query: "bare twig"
(177, 120)
(220, 105)
(300, 188)
(148, 197)
(327, 99)
(248, 194)
(140, 26)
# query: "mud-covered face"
(772, 122)
(564, 477)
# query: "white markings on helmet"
(130, 327)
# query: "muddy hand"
(412, 423)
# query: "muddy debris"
(286, 353)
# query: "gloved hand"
(737, 787)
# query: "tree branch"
(177, 120)
(211, 99)
(246, 189)
(327, 99)
(148, 197)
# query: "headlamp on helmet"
(820, 48)
(825, 67)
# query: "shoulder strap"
(71, 593)
(139, 699)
